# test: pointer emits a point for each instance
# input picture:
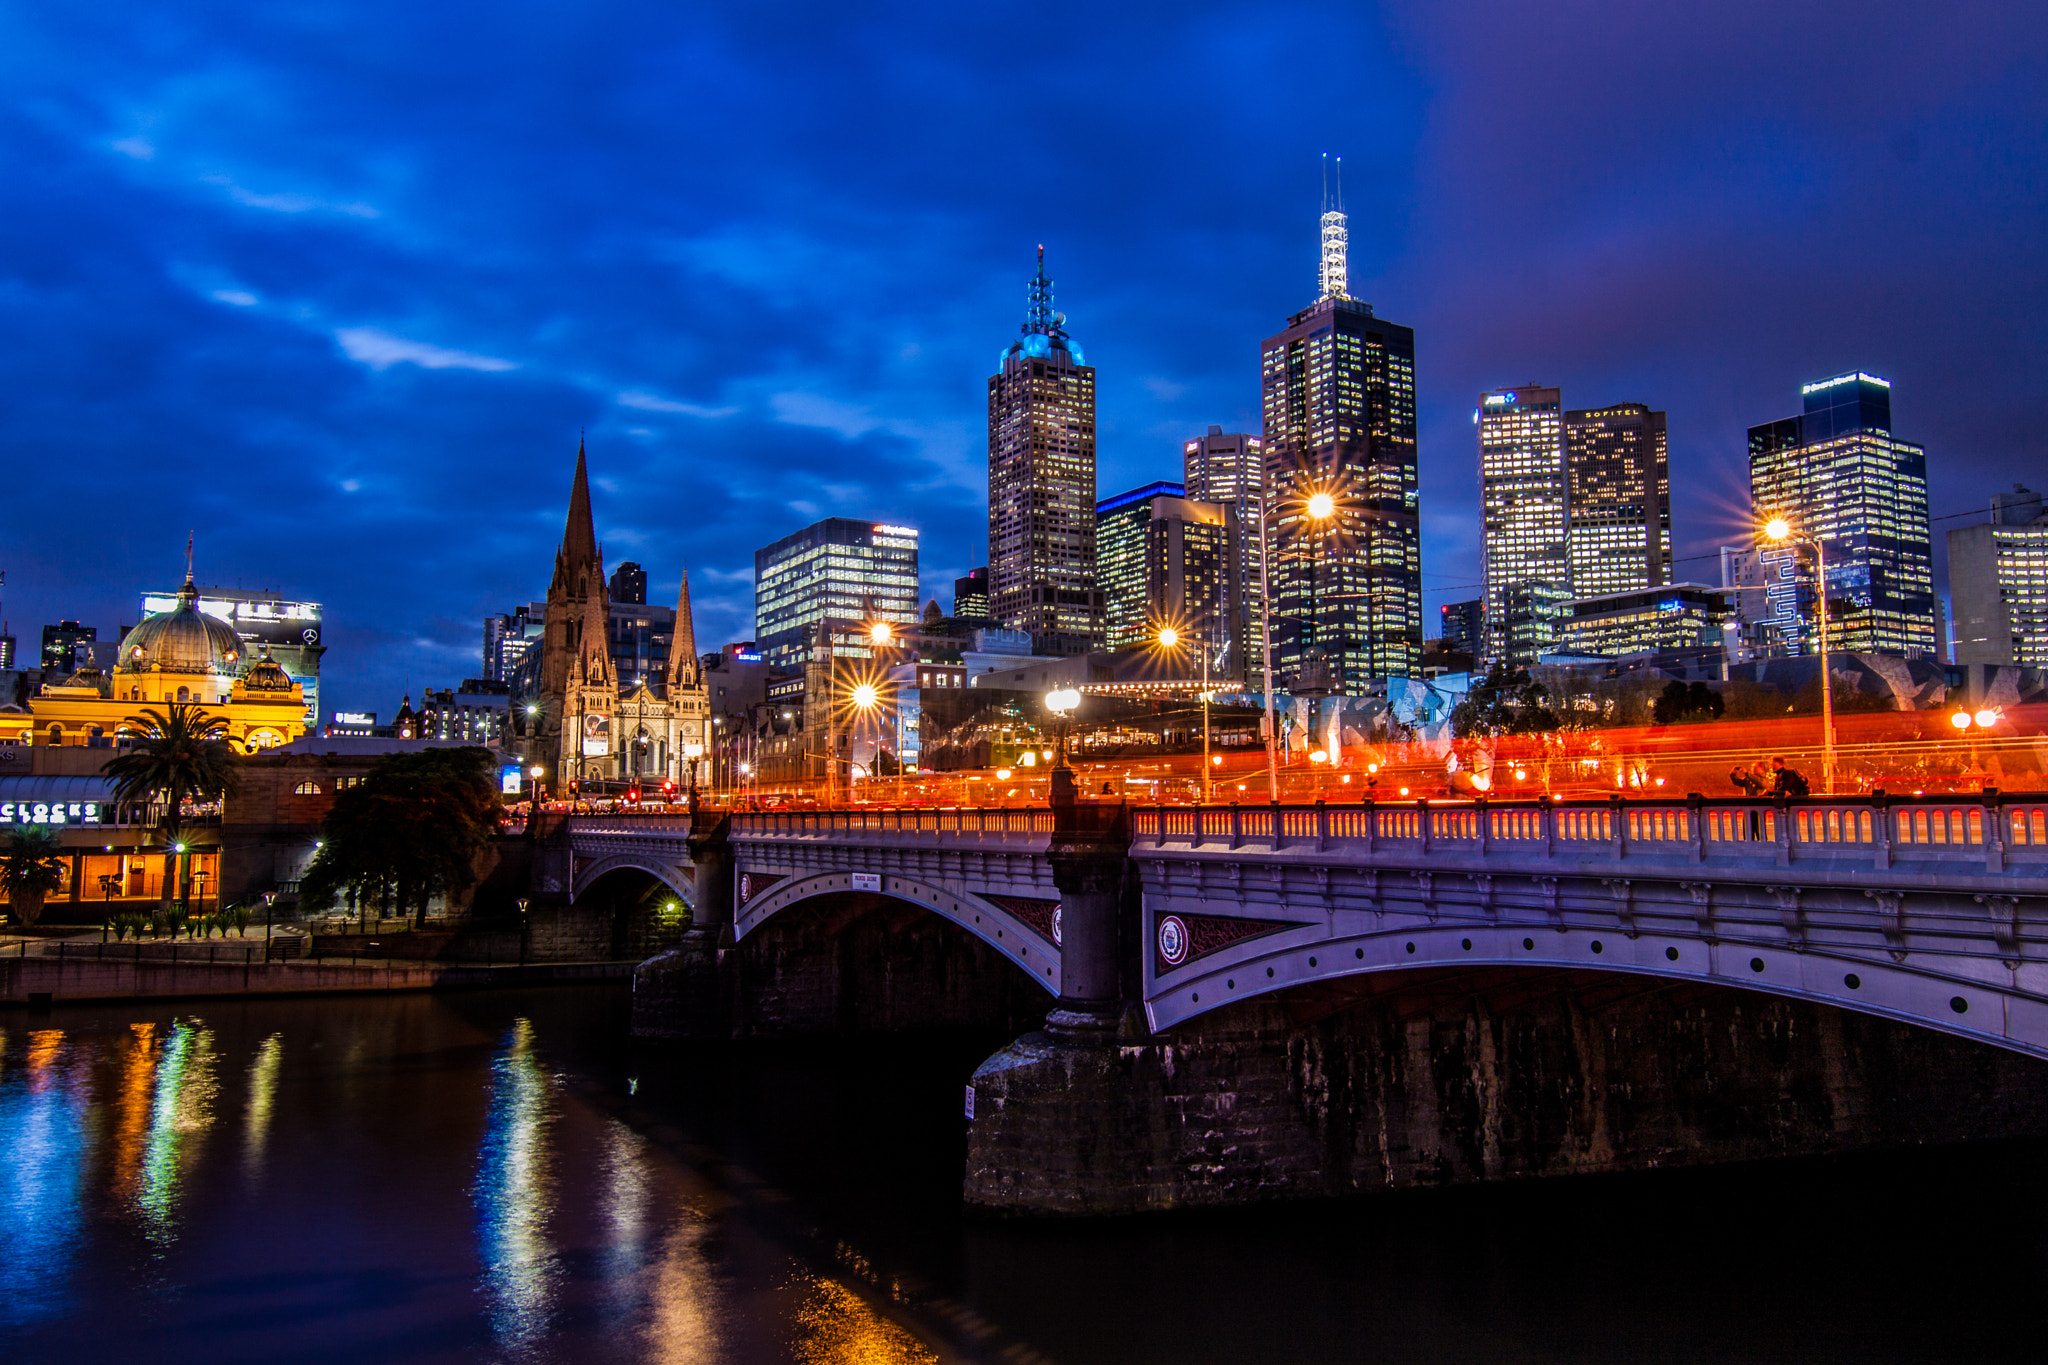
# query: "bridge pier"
(1423, 1082)
(685, 994)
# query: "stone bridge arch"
(1024, 930)
(676, 879)
(1983, 1000)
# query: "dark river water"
(501, 1177)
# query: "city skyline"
(389, 342)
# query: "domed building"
(180, 655)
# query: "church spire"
(683, 664)
(578, 555)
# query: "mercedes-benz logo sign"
(310, 635)
(1173, 940)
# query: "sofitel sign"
(49, 812)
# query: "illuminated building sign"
(355, 717)
(511, 779)
(1494, 400)
(49, 812)
(597, 735)
(264, 620)
(895, 530)
(1824, 384)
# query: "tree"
(1505, 702)
(1685, 704)
(175, 757)
(32, 865)
(412, 828)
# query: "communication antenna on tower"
(1336, 259)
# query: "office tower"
(1337, 399)
(1230, 467)
(289, 631)
(628, 584)
(507, 638)
(6, 649)
(1524, 499)
(970, 595)
(61, 642)
(836, 570)
(1688, 617)
(1164, 559)
(640, 637)
(1618, 496)
(1838, 475)
(1464, 625)
(1998, 583)
(1041, 479)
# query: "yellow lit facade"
(181, 655)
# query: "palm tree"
(31, 867)
(181, 756)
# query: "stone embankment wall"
(1482, 1077)
(850, 963)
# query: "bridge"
(1251, 1002)
(1929, 910)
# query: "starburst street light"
(863, 696)
(1170, 639)
(1321, 506)
(1780, 530)
(880, 633)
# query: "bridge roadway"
(1931, 910)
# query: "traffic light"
(633, 794)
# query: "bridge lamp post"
(692, 752)
(1061, 701)
(1169, 638)
(1780, 530)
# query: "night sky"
(337, 285)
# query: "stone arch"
(634, 904)
(674, 878)
(1032, 948)
(1302, 954)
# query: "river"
(501, 1177)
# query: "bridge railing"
(997, 821)
(1977, 832)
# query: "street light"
(1168, 639)
(1061, 701)
(1778, 529)
(880, 633)
(1321, 506)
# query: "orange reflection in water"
(133, 1107)
(835, 1326)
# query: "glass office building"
(1524, 500)
(1839, 475)
(838, 570)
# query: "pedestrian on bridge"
(1788, 781)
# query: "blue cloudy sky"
(337, 284)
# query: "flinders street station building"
(571, 717)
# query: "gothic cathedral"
(581, 724)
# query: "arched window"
(56, 734)
(306, 789)
(184, 694)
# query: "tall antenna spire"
(1042, 318)
(188, 559)
(1336, 262)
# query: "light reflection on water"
(46, 1147)
(180, 1113)
(514, 1194)
(262, 1098)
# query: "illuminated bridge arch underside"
(1027, 947)
(679, 879)
(1973, 965)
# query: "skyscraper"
(1838, 475)
(1618, 476)
(1041, 479)
(837, 569)
(629, 584)
(1165, 559)
(1524, 500)
(1337, 399)
(1230, 468)
(970, 595)
(1998, 581)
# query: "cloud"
(647, 402)
(815, 410)
(240, 298)
(381, 350)
(135, 147)
(1165, 390)
(288, 202)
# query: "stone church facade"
(582, 725)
